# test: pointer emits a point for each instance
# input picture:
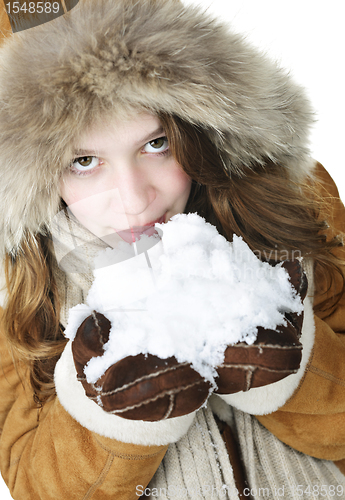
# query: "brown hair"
(31, 315)
(279, 219)
(275, 216)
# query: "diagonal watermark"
(88, 238)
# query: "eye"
(85, 163)
(159, 145)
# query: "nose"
(135, 189)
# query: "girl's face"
(124, 179)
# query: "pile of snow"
(190, 295)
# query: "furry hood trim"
(114, 56)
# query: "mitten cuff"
(73, 398)
(267, 399)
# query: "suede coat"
(46, 453)
(253, 112)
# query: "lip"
(161, 220)
(133, 233)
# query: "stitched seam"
(128, 457)
(255, 367)
(171, 407)
(101, 477)
(131, 384)
(155, 398)
(327, 376)
(264, 346)
(99, 331)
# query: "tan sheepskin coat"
(46, 453)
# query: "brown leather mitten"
(273, 356)
(142, 387)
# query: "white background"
(308, 38)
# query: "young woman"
(115, 116)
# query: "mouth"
(134, 233)
(161, 220)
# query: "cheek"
(85, 205)
(89, 196)
(178, 184)
(73, 191)
(68, 191)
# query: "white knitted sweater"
(198, 467)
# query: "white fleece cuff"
(73, 398)
(267, 399)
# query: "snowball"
(189, 295)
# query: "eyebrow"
(144, 140)
(152, 134)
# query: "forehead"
(131, 130)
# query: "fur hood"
(112, 56)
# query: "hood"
(114, 56)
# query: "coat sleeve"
(47, 454)
(307, 410)
(313, 419)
